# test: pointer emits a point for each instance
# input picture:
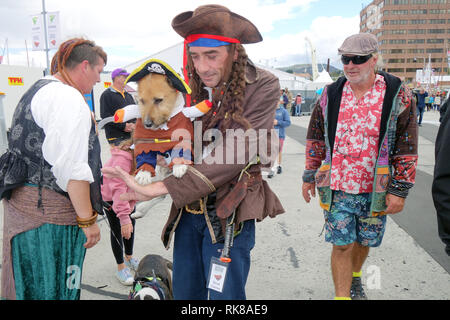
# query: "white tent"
(322, 80)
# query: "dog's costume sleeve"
(198, 110)
(128, 113)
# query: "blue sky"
(303, 18)
(134, 29)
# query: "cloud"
(129, 31)
(326, 34)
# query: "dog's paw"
(138, 214)
(179, 170)
(143, 177)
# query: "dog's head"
(157, 100)
(159, 87)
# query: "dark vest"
(24, 163)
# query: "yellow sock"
(342, 298)
(357, 274)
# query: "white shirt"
(61, 111)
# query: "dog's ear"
(170, 83)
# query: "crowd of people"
(361, 158)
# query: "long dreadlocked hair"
(229, 97)
(71, 53)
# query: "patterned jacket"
(395, 168)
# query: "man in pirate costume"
(215, 188)
(50, 180)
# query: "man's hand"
(394, 204)
(306, 189)
(141, 193)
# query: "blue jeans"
(420, 111)
(192, 254)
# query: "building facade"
(410, 34)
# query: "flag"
(53, 30)
(37, 32)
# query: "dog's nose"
(148, 123)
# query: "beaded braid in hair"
(65, 60)
(64, 51)
(228, 98)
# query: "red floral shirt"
(356, 144)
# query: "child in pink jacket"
(118, 214)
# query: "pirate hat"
(218, 21)
(160, 67)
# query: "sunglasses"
(355, 59)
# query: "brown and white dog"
(164, 129)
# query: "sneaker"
(270, 176)
(125, 277)
(132, 263)
(356, 290)
(279, 169)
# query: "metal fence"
(309, 97)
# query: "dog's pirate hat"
(160, 67)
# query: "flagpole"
(45, 33)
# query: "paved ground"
(291, 260)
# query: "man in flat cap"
(113, 99)
(220, 189)
(361, 155)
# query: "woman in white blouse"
(51, 180)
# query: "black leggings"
(117, 242)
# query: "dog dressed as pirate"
(164, 131)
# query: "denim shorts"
(350, 220)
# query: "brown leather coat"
(201, 179)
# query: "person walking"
(50, 180)
(421, 96)
(113, 99)
(281, 122)
(220, 191)
(118, 213)
(361, 155)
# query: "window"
(438, 11)
(399, 21)
(435, 40)
(434, 31)
(416, 31)
(419, 2)
(438, 21)
(397, 41)
(396, 61)
(416, 50)
(395, 51)
(420, 11)
(418, 21)
(435, 50)
(396, 70)
(438, 1)
(415, 41)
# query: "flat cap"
(361, 44)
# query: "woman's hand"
(92, 234)
(126, 230)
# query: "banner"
(37, 32)
(53, 30)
